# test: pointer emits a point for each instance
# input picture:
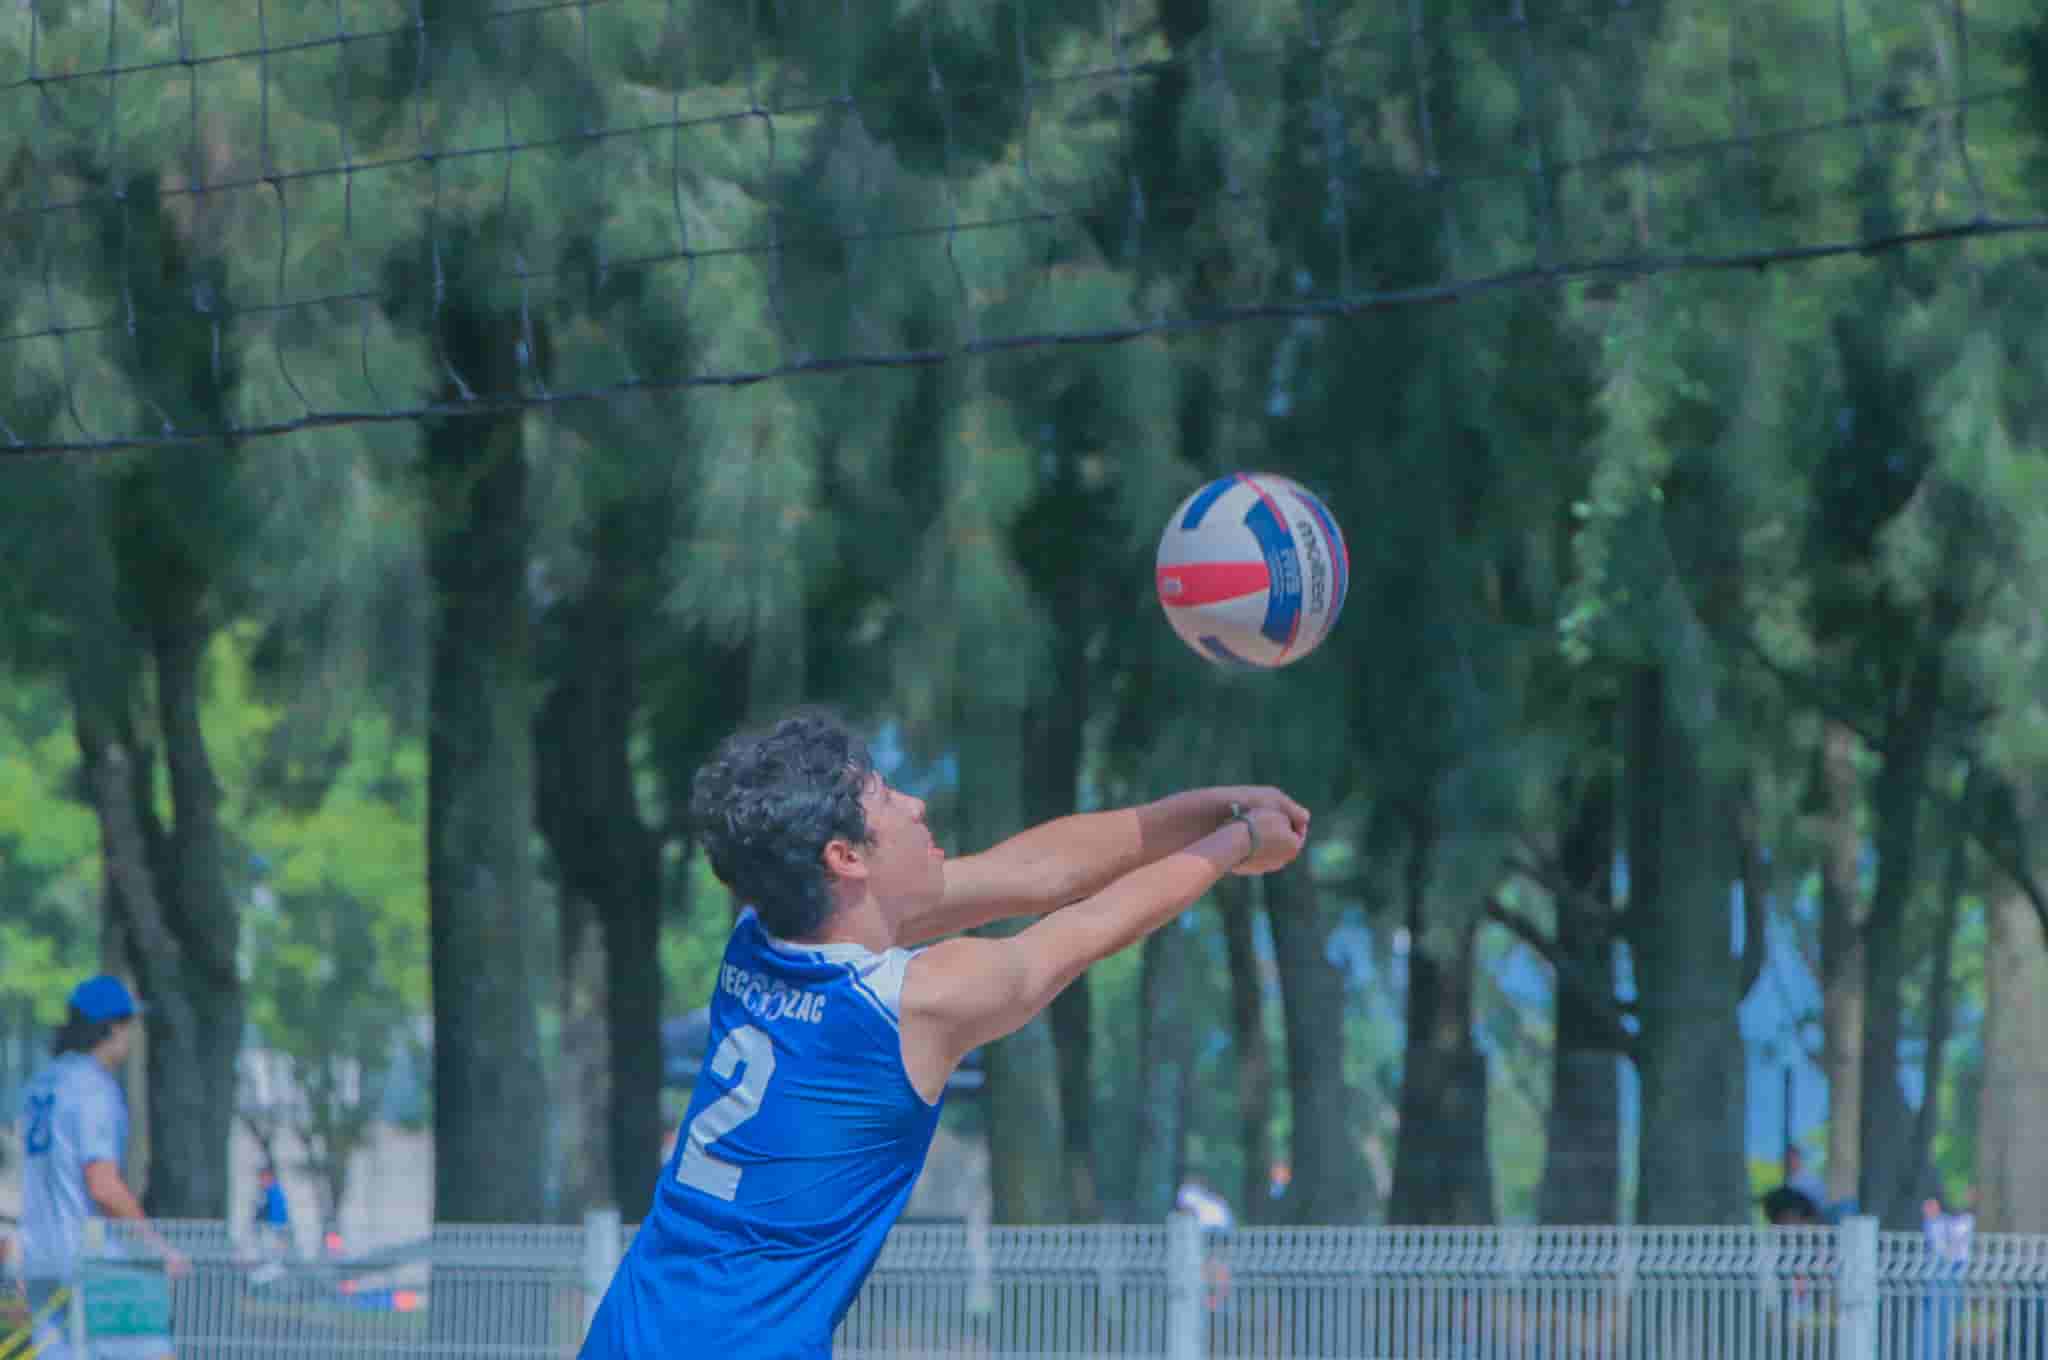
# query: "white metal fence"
(1172, 1291)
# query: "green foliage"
(1772, 483)
(49, 854)
(335, 931)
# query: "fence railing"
(1172, 1291)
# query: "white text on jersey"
(769, 998)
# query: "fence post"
(1856, 1296)
(602, 1248)
(92, 1247)
(1183, 1287)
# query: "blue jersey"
(802, 1143)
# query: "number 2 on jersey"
(697, 1168)
(41, 1109)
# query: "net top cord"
(227, 221)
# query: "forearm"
(1039, 963)
(1078, 856)
(1069, 858)
(1142, 901)
(116, 1201)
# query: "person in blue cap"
(75, 1138)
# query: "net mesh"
(226, 218)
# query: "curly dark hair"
(766, 805)
(78, 1034)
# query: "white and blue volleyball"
(1252, 571)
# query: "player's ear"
(843, 859)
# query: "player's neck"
(859, 921)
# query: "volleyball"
(1252, 571)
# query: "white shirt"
(1208, 1207)
(73, 1113)
(1949, 1236)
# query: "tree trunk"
(2012, 1175)
(133, 900)
(583, 1095)
(1582, 1135)
(608, 858)
(154, 539)
(1054, 729)
(1250, 1050)
(1682, 868)
(1328, 1164)
(1166, 1056)
(1887, 1178)
(632, 1045)
(1940, 1019)
(1026, 1127)
(1072, 1020)
(341, 1094)
(167, 889)
(1841, 957)
(1443, 1175)
(192, 1077)
(1025, 1138)
(117, 958)
(488, 1082)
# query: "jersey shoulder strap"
(875, 978)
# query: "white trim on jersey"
(877, 977)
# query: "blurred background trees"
(1682, 731)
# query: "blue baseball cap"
(103, 998)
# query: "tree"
(1582, 1136)
(1839, 794)
(608, 857)
(1653, 519)
(161, 547)
(1325, 1158)
(337, 932)
(486, 1065)
(455, 288)
(2013, 1189)
(1442, 1163)
(1251, 1050)
(326, 997)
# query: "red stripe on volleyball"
(1198, 583)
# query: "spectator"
(1212, 1212)
(75, 1136)
(1948, 1254)
(1786, 1207)
(1209, 1208)
(273, 1213)
(1798, 1176)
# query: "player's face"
(906, 866)
(120, 1042)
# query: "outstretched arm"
(115, 1200)
(1069, 858)
(974, 990)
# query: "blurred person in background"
(74, 1145)
(1800, 1177)
(1947, 1232)
(1211, 1213)
(273, 1213)
(1790, 1207)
